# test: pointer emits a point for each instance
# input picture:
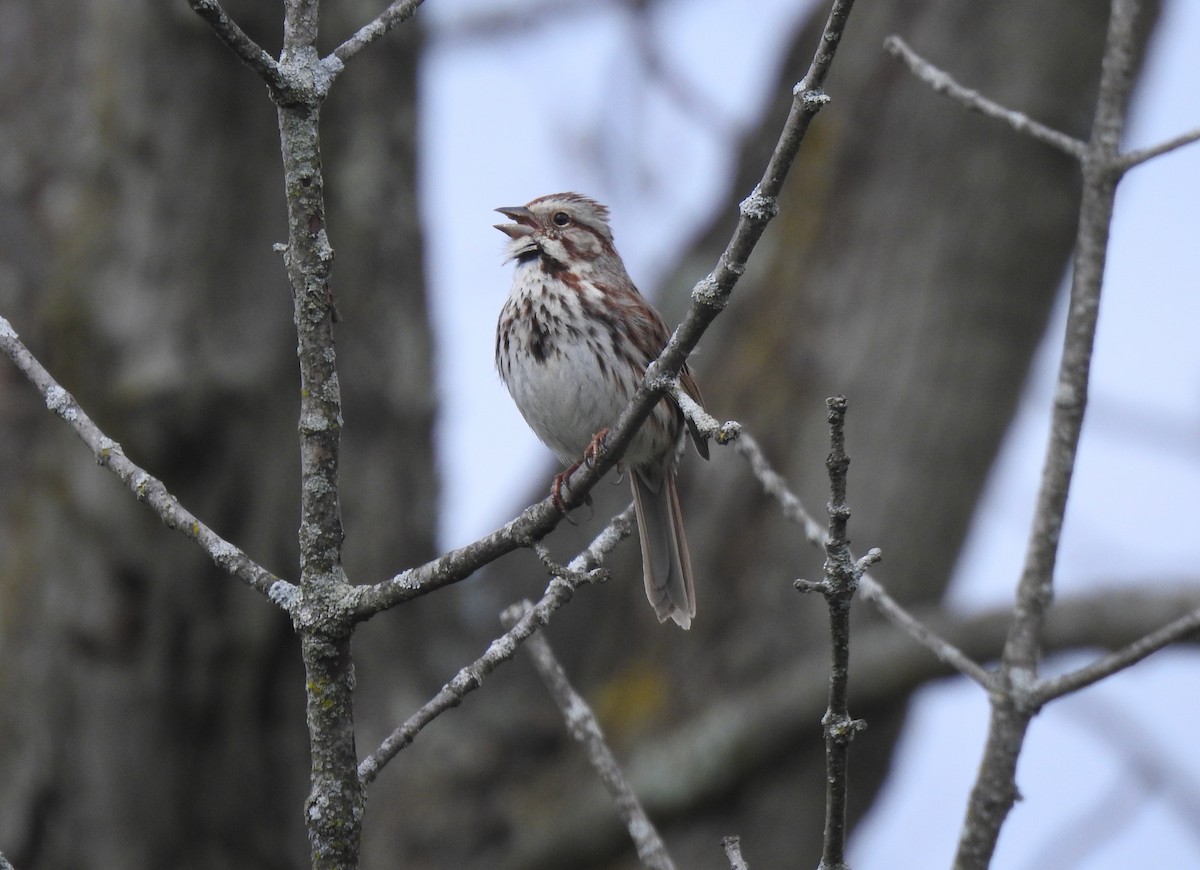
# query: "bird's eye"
(561, 218)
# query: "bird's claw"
(560, 480)
(592, 452)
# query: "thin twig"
(397, 13)
(733, 853)
(871, 589)
(943, 83)
(249, 51)
(145, 487)
(1130, 159)
(838, 587)
(706, 424)
(1049, 689)
(774, 485)
(582, 569)
(585, 729)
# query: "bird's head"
(561, 228)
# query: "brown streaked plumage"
(572, 344)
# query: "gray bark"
(154, 710)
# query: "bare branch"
(1049, 689)
(533, 524)
(774, 485)
(1134, 158)
(943, 83)
(249, 51)
(582, 569)
(712, 755)
(145, 487)
(585, 729)
(397, 12)
(1015, 702)
(706, 424)
(1071, 393)
(733, 853)
(871, 589)
(841, 580)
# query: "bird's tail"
(666, 565)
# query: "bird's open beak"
(524, 225)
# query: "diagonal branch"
(712, 293)
(706, 424)
(237, 40)
(871, 590)
(396, 13)
(1049, 689)
(774, 485)
(1130, 159)
(144, 486)
(943, 83)
(585, 729)
(533, 524)
(581, 570)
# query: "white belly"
(570, 383)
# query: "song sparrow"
(572, 344)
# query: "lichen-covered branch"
(236, 39)
(146, 487)
(733, 853)
(585, 729)
(396, 13)
(560, 590)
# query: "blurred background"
(153, 710)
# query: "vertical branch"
(1017, 702)
(733, 853)
(1101, 172)
(838, 586)
(333, 812)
